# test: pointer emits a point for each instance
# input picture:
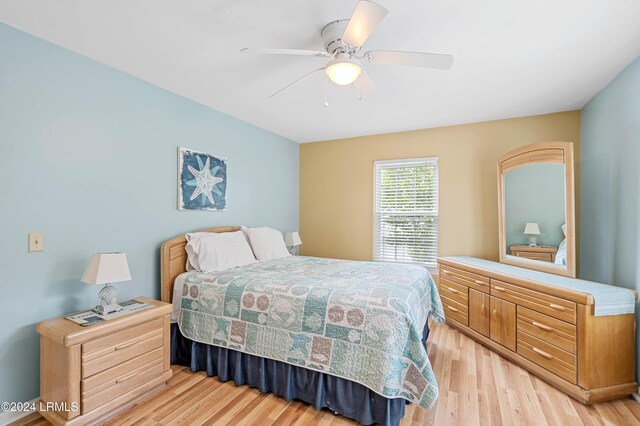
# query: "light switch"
(36, 242)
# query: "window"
(406, 211)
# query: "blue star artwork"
(202, 181)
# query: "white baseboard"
(7, 417)
(636, 395)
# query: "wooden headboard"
(173, 260)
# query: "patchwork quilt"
(362, 321)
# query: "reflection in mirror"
(534, 196)
(536, 208)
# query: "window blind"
(406, 211)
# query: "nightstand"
(89, 373)
(541, 253)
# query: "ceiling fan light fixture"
(343, 70)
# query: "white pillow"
(267, 243)
(212, 251)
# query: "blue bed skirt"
(321, 390)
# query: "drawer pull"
(542, 353)
(452, 308)
(541, 326)
(483, 310)
(494, 314)
(129, 377)
(445, 272)
(126, 345)
(480, 282)
(495, 287)
(453, 290)
(556, 307)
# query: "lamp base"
(533, 241)
(109, 309)
(108, 304)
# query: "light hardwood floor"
(477, 387)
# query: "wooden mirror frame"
(543, 152)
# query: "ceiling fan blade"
(296, 81)
(412, 59)
(295, 52)
(363, 22)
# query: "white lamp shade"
(532, 229)
(106, 268)
(292, 239)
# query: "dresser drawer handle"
(480, 282)
(542, 353)
(495, 287)
(556, 307)
(129, 377)
(483, 310)
(445, 272)
(126, 345)
(494, 315)
(541, 326)
(452, 308)
(453, 290)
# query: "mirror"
(536, 208)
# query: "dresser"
(541, 253)
(547, 324)
(89, 373)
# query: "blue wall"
(610, 184)
(535, 193)
(89, 157)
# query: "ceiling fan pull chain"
(326, 92)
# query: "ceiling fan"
(342, 42)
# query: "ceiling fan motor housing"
(332, 37)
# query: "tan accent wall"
(336, 183)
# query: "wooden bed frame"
(173, 260)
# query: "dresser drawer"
(468, 279)
(120, 350)
(548, 329)
(454, 291)
(540, 302)
(556, 360)
(99, 396)
(455, 310)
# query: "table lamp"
(107, 268)
(532, 230)
(292, 239)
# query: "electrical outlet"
(36, 242)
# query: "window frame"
(431, 267)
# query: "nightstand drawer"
(543, 257)
(99, 396)
(110, 377)
(122, 351)
(107, 344)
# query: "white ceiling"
(512, 57)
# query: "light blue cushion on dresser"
(609, 299)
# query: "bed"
(344, 335)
